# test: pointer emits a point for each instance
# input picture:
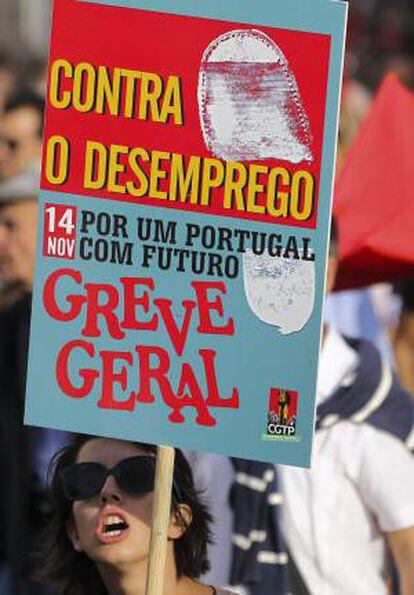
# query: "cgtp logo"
(281, 420)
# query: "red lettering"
(156, 377)
(178, 336)
(131, 302)
(206, 306)
(95, 309)
(62, 374)
(214, 399)
(49, 296)
(157, 372)
(194, 398)
(109, 377)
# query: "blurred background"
(380, 38)
(373, 207)
(24, 27)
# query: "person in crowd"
(98, 537)
(18, 226)
(34, 76)
(355, 506)
(24, 452)
(403, 336)
(247, 552)
(353, 511)
(355, 103)
(8, 79)
(21, 129)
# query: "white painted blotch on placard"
(251, 109)
(280, 291)
(249, 101)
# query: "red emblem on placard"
(59, 235)
(282, 413)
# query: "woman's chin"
(117, 554)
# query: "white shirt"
(361, 485)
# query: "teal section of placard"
(323, 16)
(255, 359)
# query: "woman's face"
(112, 527)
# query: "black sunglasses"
(134, 475)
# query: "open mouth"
(114, 525)
(112, 528)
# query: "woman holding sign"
(98, 539)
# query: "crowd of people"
(345, 527)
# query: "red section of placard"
(169, 45)
(59, 235)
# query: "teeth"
(113, 520)
(113, 533)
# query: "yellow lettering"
(171, 104)
(131, 76)
(181, 181)
(275, 196)
(302, 192)
(84, 87)
(157, 174)
(134, 156)
(108, 92)
(233, 188)
(151, 90)
(254, 188)
(57, 160)
(96, 154)
(115, 168)
(60, 69)
(212, 177)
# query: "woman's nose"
(110, 491)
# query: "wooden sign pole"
(160, 520)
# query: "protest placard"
(184, 214)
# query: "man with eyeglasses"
(24, 452)
(18, 224)
(21, 129)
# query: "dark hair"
(73, 573)
(7, 62)
(27, 98)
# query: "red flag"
(374, 201)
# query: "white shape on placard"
(249, 101)
(280, 291)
